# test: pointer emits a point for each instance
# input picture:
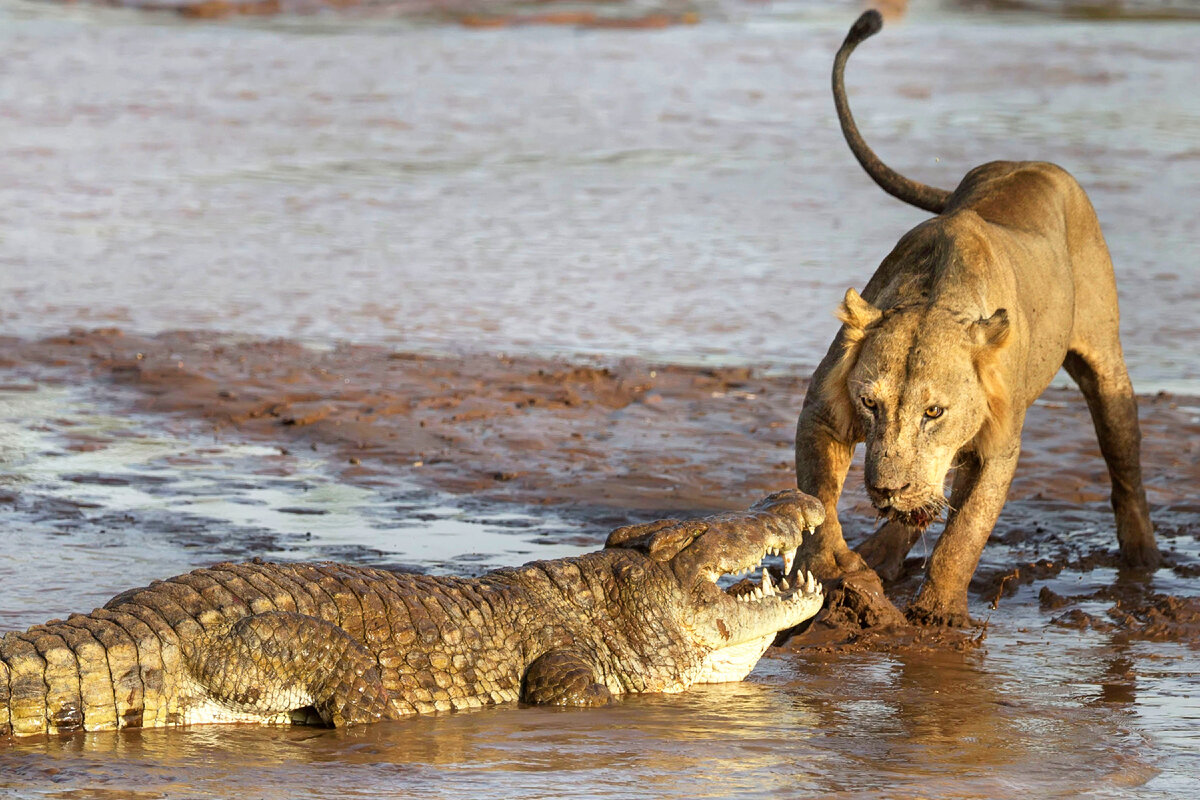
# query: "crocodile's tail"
(90, 672)
(925, 197)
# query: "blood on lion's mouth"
(920, 517)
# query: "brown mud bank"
(628, 440)
(600, 14)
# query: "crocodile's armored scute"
(341, 644)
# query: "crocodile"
(337, 644)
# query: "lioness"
(959, 330)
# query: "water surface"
(681, 193)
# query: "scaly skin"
(337, 644)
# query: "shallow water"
(1047, 715)
(682, 193)
(96, 502)
(123, 502)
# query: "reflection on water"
(124, 503)
(99, 503)
(918, 725)
(682, 193)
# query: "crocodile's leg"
(279, 662)
(563, 678)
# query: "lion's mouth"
(920, 517)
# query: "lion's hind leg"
(1105, 384)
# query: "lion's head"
(920, 383)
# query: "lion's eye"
(933, 412)
(868, 402)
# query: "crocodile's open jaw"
(735, 626)
(748, 590)
(765, 590)
(789, 560)
(761, 608)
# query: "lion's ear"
(856, 313)
(992, 332)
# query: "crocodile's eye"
(933, 412)
(867, 402)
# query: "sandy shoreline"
(630, 440)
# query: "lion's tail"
(918, 194)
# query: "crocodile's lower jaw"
(733, 663)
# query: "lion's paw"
(929, 610)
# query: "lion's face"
(920, 383)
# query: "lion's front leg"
(822, 461)
(980, 489)
(887, 548)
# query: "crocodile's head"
(732, 626)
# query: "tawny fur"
(956, 334)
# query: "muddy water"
(1047, 706)
(679, 194)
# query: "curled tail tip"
(869, 23)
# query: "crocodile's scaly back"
(210, 645)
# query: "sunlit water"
(107, 503)
(681, 193)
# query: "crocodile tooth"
(766, 587)
(757, 593)
(789, 560)
(810, 582)
(783, 585)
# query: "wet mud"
(625, 441)
(351, 172)
(1071, 654)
